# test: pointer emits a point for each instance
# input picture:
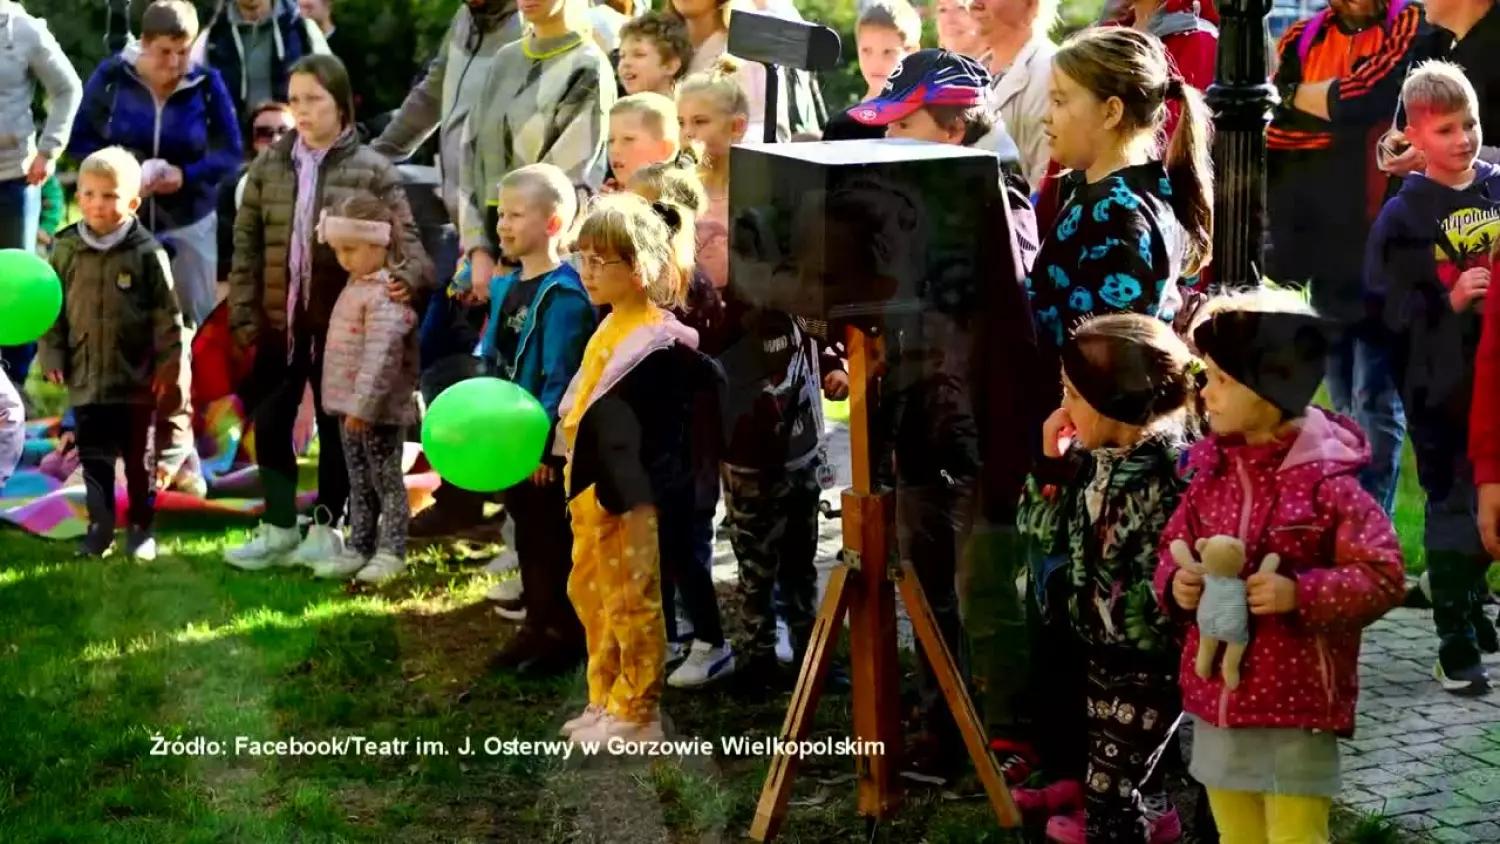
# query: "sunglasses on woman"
(270, 133)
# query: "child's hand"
(1057, 433)
(398, 291)
(1271, 594)
(1470, 287)
(543, 475)
(836, 385)
(356, 424)
(56, 377)
(1187, 582)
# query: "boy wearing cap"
(957, 490)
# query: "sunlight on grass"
(258, 619)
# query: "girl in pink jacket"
(369, 374)
(1280, 476)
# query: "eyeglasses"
(270, 133)
(594, 263)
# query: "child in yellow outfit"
(626, 425)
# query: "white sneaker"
(344, 566)
(588, 718)
(322, 544)
(383, 566)
(268, 546)
(704, 664)
(517, 615)
(784, 653)
(505, 561)
(609, 727)
(505, 590)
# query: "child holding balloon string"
(540, 321)
(626, 428)
(369, 375)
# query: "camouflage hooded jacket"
(1100, 519)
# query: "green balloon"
(30, 297)
(485, 434)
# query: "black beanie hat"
(1277, 354)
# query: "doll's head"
(1122, 375)
(1264, 352)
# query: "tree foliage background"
(399, 36)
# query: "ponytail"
(1190, 174)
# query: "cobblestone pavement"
(1426, 759)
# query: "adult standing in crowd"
(179, 120)
(443, 102)
(283, 286)
(254, 44)
(29, 54)
(269, 123)
(1018, 55)
(1339, 76)
(956, 29)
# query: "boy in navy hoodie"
(1428, 271)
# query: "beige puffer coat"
(259, 276)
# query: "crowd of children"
(592, 204)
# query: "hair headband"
(1279, 355)
(349, 228)
(1103, 392)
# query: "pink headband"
(348, 228)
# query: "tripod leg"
(771, 810)
(925, 625)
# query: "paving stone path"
(1426, 759)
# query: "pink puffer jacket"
(1299, 498)
(370, 362)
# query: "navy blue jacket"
(225, 54)
(1424, 239)
(195, 131)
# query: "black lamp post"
(1241, 99)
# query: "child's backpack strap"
(1315, 24)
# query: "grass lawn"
(97, 658)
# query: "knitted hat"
(1279, 355)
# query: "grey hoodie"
(30, 54)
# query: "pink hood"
(1326, 440)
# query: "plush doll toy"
(1224, 609)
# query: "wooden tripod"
(864, 585)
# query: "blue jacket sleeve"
(93, 115)
(226, 148)
(565, 334)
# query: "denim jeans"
(1361, 384)
(20, 212)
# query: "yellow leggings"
(1244, 817)
(616, 590)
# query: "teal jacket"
(550, 347)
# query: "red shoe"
(1016, 760)
(1059, 798)
(1167, 828)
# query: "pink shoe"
(1068, 829)
(588, 718)
(1073, 829)
(1058, 798)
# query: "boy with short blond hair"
(540, 322)
(642, 131)
(654, 54)
(886, 32)
(1428, 272)
(118, 344)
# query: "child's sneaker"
(383, 566)
(588, 718)
(784, 653)
(506, 591)
(268, 546)
(97, 543)
(342, 567)
(140, 545)
(1058, 798)
(1016, 760)
(1468, 682)
(609, 727)
(323, 542)
(704, 664)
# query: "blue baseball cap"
(925, 78)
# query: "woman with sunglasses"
(269, 123)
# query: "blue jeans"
(1362, 385)
(20, 213)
